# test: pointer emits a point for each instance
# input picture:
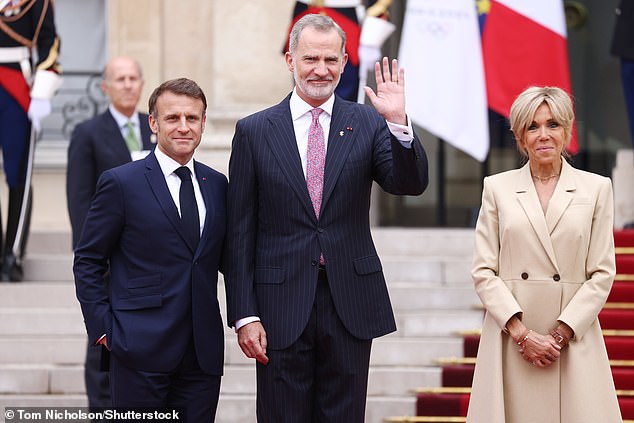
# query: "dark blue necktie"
(189, 208)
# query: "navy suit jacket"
(96, 145)
(161, 290)
(274, 239)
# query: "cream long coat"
(554, 267)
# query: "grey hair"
(321, 23)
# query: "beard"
(316, 92)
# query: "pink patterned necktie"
(315, 161)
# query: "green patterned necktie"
(130, 138)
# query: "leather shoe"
(11, 269)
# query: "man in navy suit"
(160, 240)
(96, 145)
(305, 287)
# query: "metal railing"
(79, 98)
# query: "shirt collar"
(299, 107)
(169, 165)
(121, 119)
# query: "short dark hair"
(180, 86)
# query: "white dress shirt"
(168, 166)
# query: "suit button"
(313, 263)
(320, 230)
(556, 277)
(524, 275)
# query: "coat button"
(524, 275)
(556, 277)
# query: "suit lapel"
(281, 138)
(156, 180)
(340, 141)
(146, 133)
(564, 192)
(527, 197)
(206, 189)
(114, 138)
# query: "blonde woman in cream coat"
(543, 267)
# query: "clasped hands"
(539, 350)
(536, 348)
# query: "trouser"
(186, 389)
(322, 377)
(16, 144)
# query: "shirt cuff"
(403, 133)
(245, 321)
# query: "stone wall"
(233, 49)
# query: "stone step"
(424, 270)
(42, 349)
(390, 350)
(41, 379)
(423, 351)
(428, 256)
(405, 296)
(38, 294)
(446, 271)
(238, 408)
(424, 242)
(49, 242)
(238, 379)
(48, 267)
(20, 321)
(406, 242)
(437, 322)
(231, 408)
(412, 296)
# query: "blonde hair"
(526, 104)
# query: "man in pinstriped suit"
(305, 287)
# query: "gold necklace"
(544, 179)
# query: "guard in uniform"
(27, 84)
(366, 26)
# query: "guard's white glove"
(38, 110)
(368, 56)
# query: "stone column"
(233, 49)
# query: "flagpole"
(441, 209)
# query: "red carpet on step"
(470, 345)
(616, 319)
(625, 264)
(622, 292)
(623, 378)
(457, 375)
(428, 404)
(620, 347)
(627, 407)
(624, 238)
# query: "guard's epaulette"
(13, 12)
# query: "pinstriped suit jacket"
(274, 238)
